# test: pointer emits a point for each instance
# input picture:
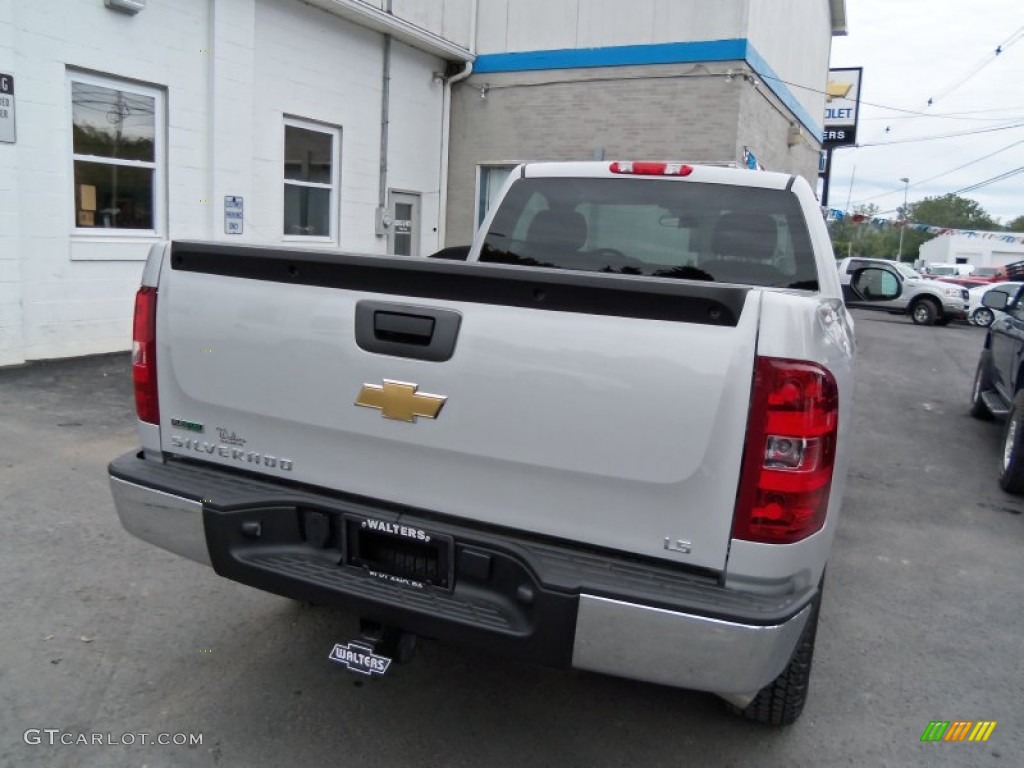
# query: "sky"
(943, 50)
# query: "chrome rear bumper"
(716, 640)
(658, 646)
(168, 521)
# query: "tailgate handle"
(402, 328)
(405, 330)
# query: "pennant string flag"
(834, 214)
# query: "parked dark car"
(998, 389)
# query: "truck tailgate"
(620, 431)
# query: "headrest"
(564, 228)
(749, 237)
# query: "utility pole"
(826, 178)
(903, 225)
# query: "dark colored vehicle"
(998, 389)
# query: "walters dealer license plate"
(398, 552)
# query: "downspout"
(446, 127)
(382, 218)
(212, 105)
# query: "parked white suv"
(927, 301)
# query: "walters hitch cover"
(359, 658)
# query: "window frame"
(335, 132)
(483, 170)
(158, 165)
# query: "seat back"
(564, 230)
(743, 249)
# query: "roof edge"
(837, 8)
(380, 21)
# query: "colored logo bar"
(959, 730)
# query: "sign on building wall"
(7, 132)
(234, 210)
(842, 100)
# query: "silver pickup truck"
(927, 301)
(614, 438)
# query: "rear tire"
(1011, 468)
(982, 382)
(925, 311)
(782, 700)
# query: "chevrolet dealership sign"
(842, 100)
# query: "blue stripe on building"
(781, 90)
(736, 49)
(613, 56)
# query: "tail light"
(650, 169)
(147, 403)
(789, 453)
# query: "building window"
(311, 174)
(118, 155)
(491, 179)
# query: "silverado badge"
(399, 400)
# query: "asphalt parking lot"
(103, 634)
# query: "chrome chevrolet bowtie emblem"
(399, 400)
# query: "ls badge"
(399, 400)
(679, 545)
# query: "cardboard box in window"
(88, 194)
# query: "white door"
(404, 235)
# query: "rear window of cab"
(656, 228)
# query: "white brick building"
(134, 128)
(200, 118)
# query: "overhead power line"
(993, 180)
(913, 112)
(967, 165)
(1011, 40)
(953, 135)
(825, 93)
(949, 116)
(940, 175)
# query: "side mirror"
(995, 299)
(875, 284)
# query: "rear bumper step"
(553, 603)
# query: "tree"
(951, 211)
(1016, 225)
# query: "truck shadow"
(452, 707)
